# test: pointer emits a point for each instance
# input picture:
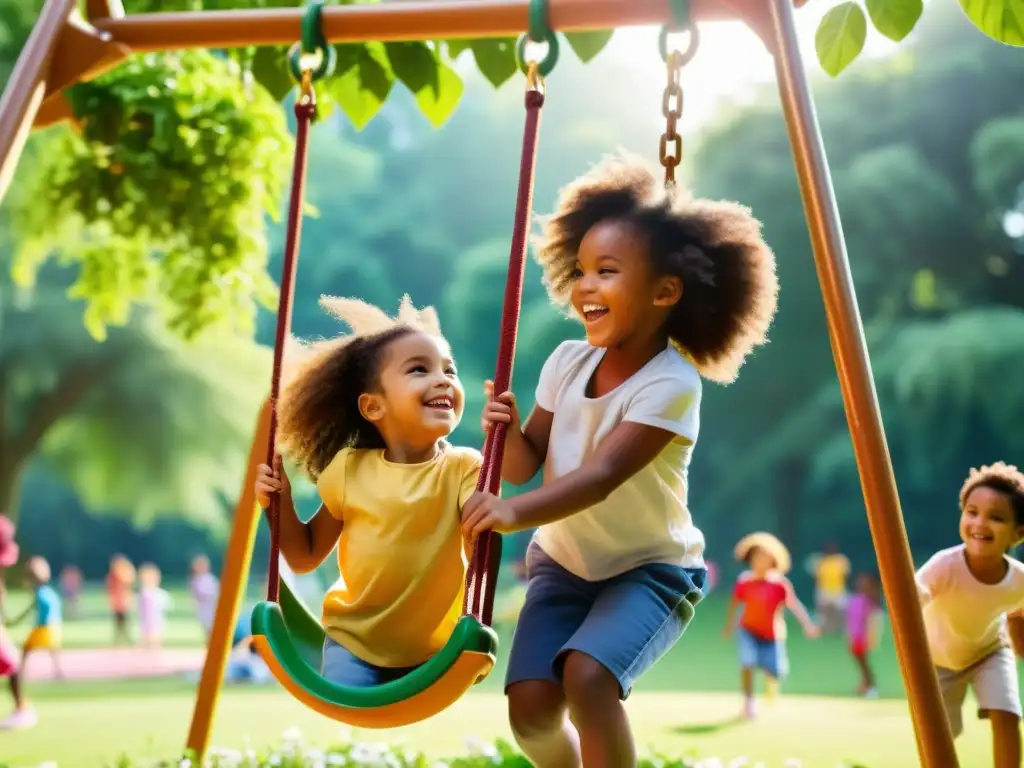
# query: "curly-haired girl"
(669, 289)
(973, 599)
(366, 417)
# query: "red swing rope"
(482, 575)
(483, 569)
(305, 113)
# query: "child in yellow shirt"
(831, 571)
(366, 417)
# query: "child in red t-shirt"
(763, 591)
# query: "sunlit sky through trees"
(731, 61)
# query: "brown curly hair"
(1000, 477)
(715, 248)
(318, 412)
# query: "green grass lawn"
(702, 661)
(686, 703)
(92, 626)
(822, 732)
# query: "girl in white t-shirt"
(669, 289)
(973, 598)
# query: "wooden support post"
(233, 578)
(103, 9)
(419, 20)
(846, 333)
(27, 85)
(82, 53)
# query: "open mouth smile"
(592, 312)
(441, 403)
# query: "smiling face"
(987, 524)
(420, 399)
(615, 290)
(867, 585)
(761, 562)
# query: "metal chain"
(670, 148)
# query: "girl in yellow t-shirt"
(366, 417)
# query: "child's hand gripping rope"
(485, 511)
(500, 410)
(269, 481)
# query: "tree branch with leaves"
(843, 30)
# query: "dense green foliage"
(161, 199)
(137, 203)
(929, 190)
(143, 423)
(162, 196)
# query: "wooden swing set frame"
(64, 48)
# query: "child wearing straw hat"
(23, 715)
(764, 591)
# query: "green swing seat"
(290, 640)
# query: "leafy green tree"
(926, 204)
(162, 197)
(948, 387)
(843, 29)
(204, 273)
(144, 423)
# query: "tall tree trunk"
(18, 445)
(789, 483)
(10, 490)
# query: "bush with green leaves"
(163, 195)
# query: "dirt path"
(115, 663)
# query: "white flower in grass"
(226, 758)
(275, 759)
(337, 759)
(366, 754)
(477, 747)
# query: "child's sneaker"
(749, 708)
(871, 693)
(19, 719)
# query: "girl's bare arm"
(306, 545)
(798, 609)
(526, 450)
(1015, 625)
(621, 454)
